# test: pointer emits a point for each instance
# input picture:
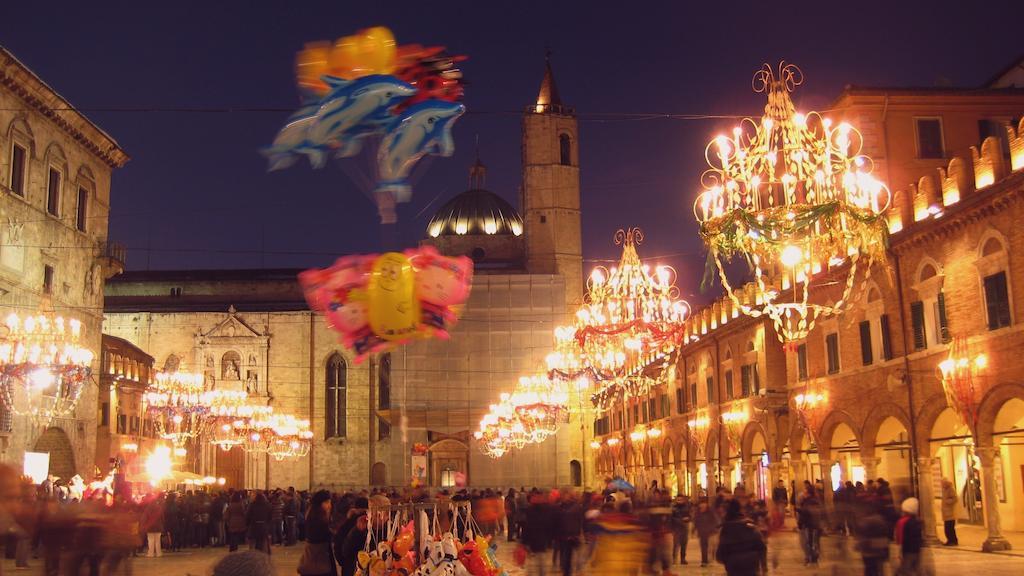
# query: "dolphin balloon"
(423, 128)
(351, 110)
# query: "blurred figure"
(681, 516)
(354, 542)
(244, 564)
(10, 495)
(622, 546)
(317, 558)
(949, 501)
(257, 519)
(234, 522)
(510, 513)
(152, 524)
(537, 532)
(740, 546)
(660, 527)
(872, 540)
(910, 538)
(172, 521)
(780, 498)
(570, 528)
(705, 524)
(809, 516)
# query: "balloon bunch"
(366, 85)
(376, 302)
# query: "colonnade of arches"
(985, 468)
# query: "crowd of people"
(609, 532)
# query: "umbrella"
(620, 484)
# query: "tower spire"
(548, 97)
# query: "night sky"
(196, 193)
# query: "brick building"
(955, 160)
(55, 169)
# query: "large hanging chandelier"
(290, 437)
(179, 406)
(540, 404)
(231, 419)
(43, 368)
(958, 373)
(631, 319)
(794, 196)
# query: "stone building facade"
(252, 330)
(954, 268)
(55, 169)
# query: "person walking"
(537, 532)
(873, 539)
(705, 524)
(809, 515)
(235, 522)
(740, 546)
(569, 531)
(681, 516)
(510, 513)
(949, 501)
(152, 524)
(910, 538)
(780, 498)
(317, 557)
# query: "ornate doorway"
(231, 467)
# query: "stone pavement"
(971, 538)
(838, 558)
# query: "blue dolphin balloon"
(351, 110)
(423, 128)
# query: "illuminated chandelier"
(699, 428)
(540, 405)
(811, 406)
(958, 373)
(502, 429)
(734, 421)
(43, 368)
(631, 318)
(231, 423)
(794, 196)
(290, 437)
(179, 406)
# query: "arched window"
(565, 150)
(336, 402)
(576, 473)
(384, 395)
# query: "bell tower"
(551, 189)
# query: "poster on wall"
(36, 466)
(997, 474)
(937, 478)
(419, 469)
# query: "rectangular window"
(917, 322)
(105, 414)
(929, 138)
(122, 424)
(832, 351)
(997, 301)
(680, 401)
(47, 279)
(801, 361)
(711, 389)
(666, 409)
(886, 342)
(18, 170)
(82, 212)
(693, 394)
(53, 192)
(745, 378)
(618, 420)
(645, 413)
(757, 380)
(728, 384)
(652, 408)
(636, 415)
(867, 355)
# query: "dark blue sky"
(197, 192)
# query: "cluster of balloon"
(367, 85)
(376, 302)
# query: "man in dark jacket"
(740, 545)
(354, 542)
(705, 524)
(538, 531)
(570, 528)
(357, 510)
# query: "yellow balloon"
(343, 60)
(311, 64)
(393, 307)
(379, 50)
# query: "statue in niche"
(231, 370)
(252, 360)
(252, 382)
(209, 361)
(211, 380)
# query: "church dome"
(476, 212)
